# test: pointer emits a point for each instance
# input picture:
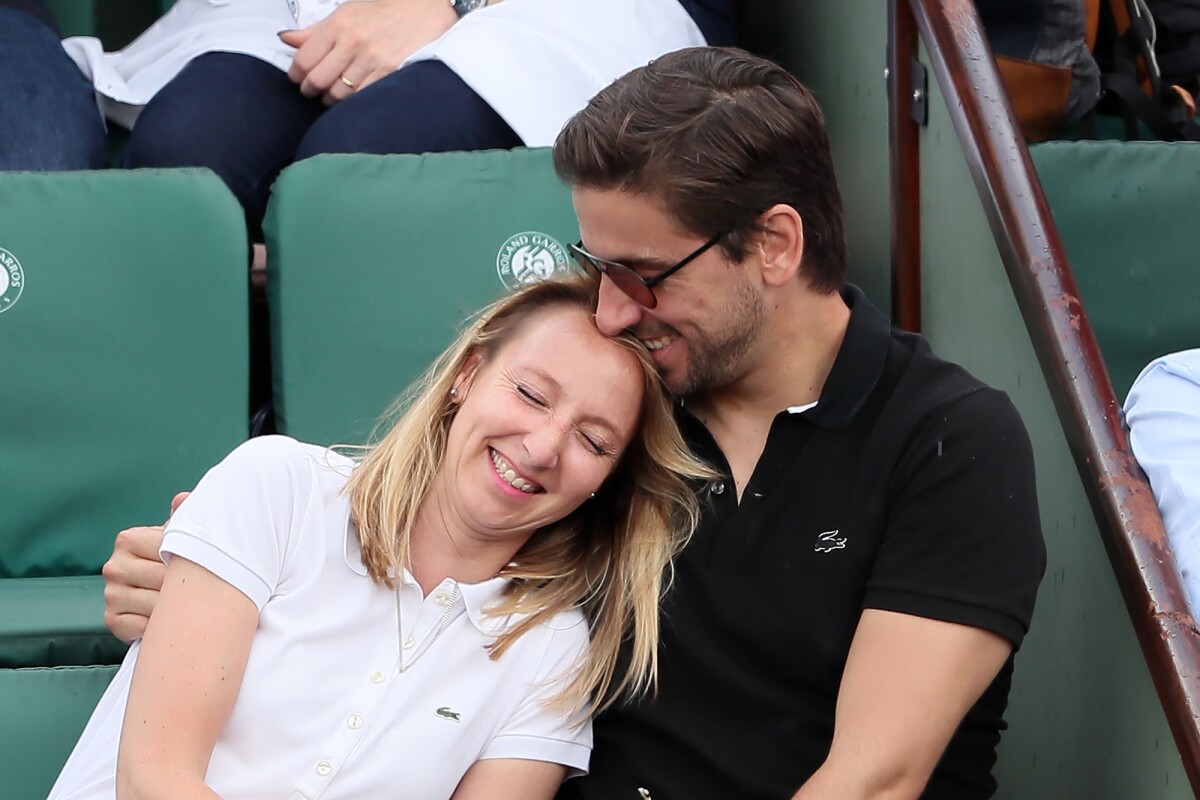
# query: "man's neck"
(789, 367)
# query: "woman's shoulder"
(571, 619)
(566, 631)
(282, 451)
(566, 626)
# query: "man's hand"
(361, 42)
(133, 575)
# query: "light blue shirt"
(1163, 412)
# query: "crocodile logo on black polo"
(829, 541)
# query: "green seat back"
(44, 711)
(376, 261)
(53, 622)
(1125, 214)
(123, 318)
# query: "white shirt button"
(376, 677)
(354, 722)
(443, 599)
(324, 768)
(409, 642)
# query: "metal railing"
(1066, 347)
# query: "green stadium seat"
(1135, 263)
(123, 313)
(54, 622)
(375, 262)
(45, 710)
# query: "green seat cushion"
(1126, 215)
(44, 711)
(51, 622)
(125, 370)
(377, 261)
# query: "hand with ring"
(361, 42)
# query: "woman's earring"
(454, 392)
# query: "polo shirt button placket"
(324, 768)
(718, 488)
(354, 722)
(377, 677)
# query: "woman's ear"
(781, 244)
(465, 376)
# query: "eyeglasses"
(639, 289)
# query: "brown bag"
(1062, 60)
(1043, 49)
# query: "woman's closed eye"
(594, 443)
(530, 395)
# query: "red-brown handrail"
(905, 165)
(1066, 347)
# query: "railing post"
(905, 175)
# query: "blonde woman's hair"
(610, 557)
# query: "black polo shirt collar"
(858, 366)
(855, 373)
(856, 370)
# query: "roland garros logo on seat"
(529, 257)
(12, 280)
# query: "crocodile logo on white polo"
(445, 712)
(829, 541)
(12, 280)
(529, 257)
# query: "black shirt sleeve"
(963, 538)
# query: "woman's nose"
(544, 443)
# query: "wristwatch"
(464, 7)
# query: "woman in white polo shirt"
(415, 624)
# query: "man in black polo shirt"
(843, 622)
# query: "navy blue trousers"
(244, 119)
(48, 114)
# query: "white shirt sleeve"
(1163, 413)
(238, 522)
(540, 733)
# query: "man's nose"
(615, 310)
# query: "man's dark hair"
(718, 136)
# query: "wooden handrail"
(1069, 355)
(905, 166)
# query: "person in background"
(49, 120)
(247, 87)
(1163, 414)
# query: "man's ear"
(465, 376)
(780, 244)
